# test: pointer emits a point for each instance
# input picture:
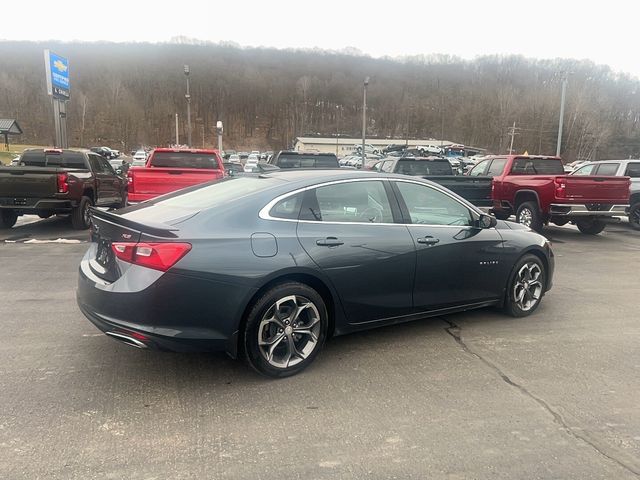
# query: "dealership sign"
(57, 69)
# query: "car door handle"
(329, 242)
(428, 240)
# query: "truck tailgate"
(594, 189)
(28, 182)
(158, 180)
(476, 190)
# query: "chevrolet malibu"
(268, 267)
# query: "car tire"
(8, 218)
(526, 287)
(528, 214)
(634, 216)
(590, 226)
(285, 330)
(80, 217)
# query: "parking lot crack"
(455, 332)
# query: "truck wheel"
(528, 214)
(8, 218)
(634, 216)
(590, 226)
(80, 217)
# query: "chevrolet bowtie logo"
(61, 67)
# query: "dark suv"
(291, 159)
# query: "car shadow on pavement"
(32, 228)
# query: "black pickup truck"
(50, 181)
(476, 190)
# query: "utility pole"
(337, 127)
(513, 134)
(177, 136)
(564, 92)
(364, 120)
(203, 136)
(84, 112)
(188, 97)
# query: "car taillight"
(130, 181)
(63, 185)
(159, 256)
(561, 186)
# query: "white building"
(342, 146)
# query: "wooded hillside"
(266, 97)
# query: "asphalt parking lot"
(473, 395)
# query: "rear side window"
(352, 202)
(387, 166)
(288, 208)
(185, 160)
(633, 170)
(537, 166)
(608, 169)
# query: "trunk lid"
(108, 228)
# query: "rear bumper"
(165, 311)
(22, 205)
(582, 210)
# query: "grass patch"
(5, 157)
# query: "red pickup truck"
(536, 190)
(169, 169)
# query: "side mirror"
(119, 171)
(487, 221)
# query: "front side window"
(428, 206)
(584, 170)
(388, 166)
(359, 202)
(480, 169)
(496, 167)
(106, 166)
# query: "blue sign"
(57, 75)
(59, 71)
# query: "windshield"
(184, 160)
(424, 167)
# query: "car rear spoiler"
(152, 228)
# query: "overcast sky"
(605, 32)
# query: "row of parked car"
(533, 188)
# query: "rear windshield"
(537, 166)
(424, 167)
(185, 160)
(308, 161)
(63, 160)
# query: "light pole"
(364, 119)
(564, 92)
(337, 127)
(219, 131)
(188, 97)
(177, 134)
